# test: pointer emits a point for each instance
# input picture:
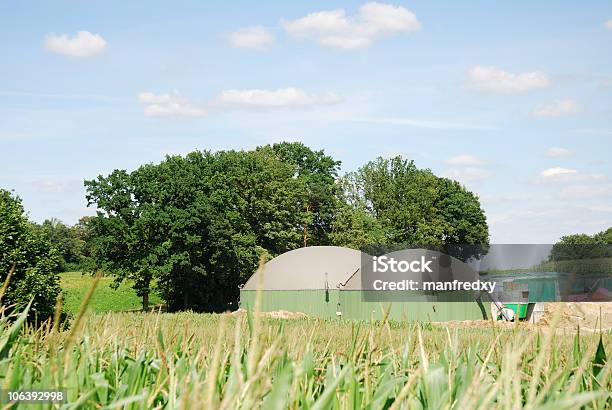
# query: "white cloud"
(608, 24)
(83, 45)
(176, 105)
(467, 168)
(494, 80)
(281, 98)
(557, 171)
(468, 174)
(569, 176)
(169, 105)
(572, 184)
(559, 108)
(333, 28)
(255, 37)
(465, 160)
(558, 152)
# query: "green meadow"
(105, 299)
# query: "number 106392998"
(33, 396)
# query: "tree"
(64, 239)
(36, 263)
(604, 237)
(122, 245)
(417, 208)
(197, 225)
(318, 172)
(583, 246)
(354, 226)
(83, 234)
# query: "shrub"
(36, 263)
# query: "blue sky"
(514, 100)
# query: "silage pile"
(278, 314)
(589, 316)
(479, 323)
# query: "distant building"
(325, 281)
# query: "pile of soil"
(583, 314)
(573, 314)
(278, 314)
(479, 323)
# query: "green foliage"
(415, 207)
(66, 240)
(36, 262)
(604, 236)
(600, 358)
(317, 172)
(198, 224)
(354, 226)
(188, 360)
(583, 246)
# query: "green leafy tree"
(583, 246)
(318, 172)
(604, 237)
(64, 239)
(36, 263)
(415, 207)
(354, 226)
(122, 244)
(83, 234)
(196, 225)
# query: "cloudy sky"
(514, 100)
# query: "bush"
(36, 274)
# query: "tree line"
(583, 246)
(193, 227)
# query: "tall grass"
(189, 361)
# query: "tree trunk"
(145, 293)
(145, 301)
(306, 228)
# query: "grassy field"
(189, 360)
(105, 299)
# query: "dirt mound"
(278, 314)
(574, 314)
(478, 323)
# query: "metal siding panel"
(312, 302)
(354, 308)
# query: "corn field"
(188, 360)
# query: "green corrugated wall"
(353, 307)
(313, 302)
